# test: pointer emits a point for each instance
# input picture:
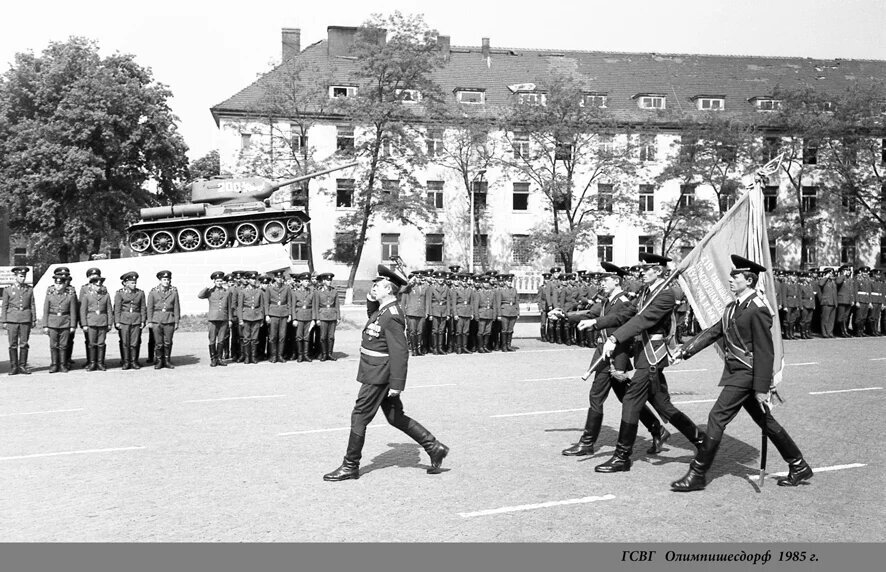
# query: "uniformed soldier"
(462, 308)
(845, 299)
(807, 306)
(224, 351)
(304, 315)
(164, 314)
(791, 304)
(508, 311)
(416, 303)
(130, 317)
(251, 311)
(552, 301)
(278, 312)
(220, 316)
(96, 315)
(863, 300)
(237, 350)
(543, 309)
(744, 334)
(89, 274)
(485, 312)
(452, 280)
(68, 350)
(19, 315)
(59, 320)
(827, 299)
(328, 314)
(878, 299)
(384, 359)
(440, 298)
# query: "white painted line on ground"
(539, 412)
(436, 385)
(694, 401)
(878, 358)
(806, 363)
(84, 451)
(815, 470)
(550, 378)
(41, 412)
(313, 431)
(844, 390)
(522, 507)
(685, 370)
(232, 398)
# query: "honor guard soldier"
(382, 370)
(485, 312)
(462, 304)
(328, 314)
(130, 317)
(542, 307)
(845, 299)
(278, 312)
(304, 315)
(440, 298)
(164, 313)
(251, 311)
(59, 319)
(220, 316)
(744, 334)
(96, 315)
(827, 299)
(508, 311)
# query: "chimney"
(443, 45)
(486, 48)
(340, 40)
(291, 42)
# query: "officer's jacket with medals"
(415, 299)
(251, 304)
(611, 313)
(278, 301)
(60, 307)
(462, 301)
(508, 302)
(95, 307)
(303, 307)
(440, 297)
(326, 303)
(745, 337)
(386, 357)
(221, 307)
(163, 305)
(485, 307)
(130, 307)
(18, 305)
(651, 326)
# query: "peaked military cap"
(229, 277)
(325, 276)
(650, 259)
(455, 268)
(91, 272)
(61, 270)
(59, 277)
(612, 269)
(555, 269)
(864, 269)
(385, 273)
(545, 275)
(742, 264)
(164, 274)
(129, 276)
(216, 275)
(440, 274)
(303, 276)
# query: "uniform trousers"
(414, 325)
(163, 335)
(843, 312)
(96, 336)
(277, 329)
(860, 318)
(58, 338)
(301, 329)
(806, 317)
(599, 391)
(827, 321)
(791, 315)
(462, 325)
(484, 326)
(658, 393)
(507, 324)
(218, 331)
(874, 319)
(369, 399)
(327, 329)
(19, 333)
(249, 330)
(438, 324)
(130, 335)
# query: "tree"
(394, 60)
(81, 136)
(205, 167)
(682, 222)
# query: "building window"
(647, 148)
(726, 153)
(810, 153)
(390, 246)
(604, 247)
(770, 198)
(435, 194)
(562, 200)
(480, 190)
(342, 91)
(522, 249)
(433, 248)
(409, 96)
(521, 197)
(593, 100)
(883, 150)
(390, 187)
(298, 196)
(389, 145)
(686, 250)
(521, 145)
(607, 144)
(710, 103)
(20, 256)
(562, 151)
(344, 138)
(651, 102)
(771, 148)
(245, 141)
(687, 196)
(344, 193)
(532, 98)
(883, 250)
(434, 141)
(346, 247)
(809, 253)
(647, 244)
(809, 199)
(767, 104)
(471, 96)
(727, 201)
(298, 248)
(298, 141)
(847, 250)
(605, 197)
(848, 202)
(481, 243)
(647, 198)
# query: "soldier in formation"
(59, 318)
(163, 314)
(130, 318)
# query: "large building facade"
(630, 206)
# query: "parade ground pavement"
(237, 454)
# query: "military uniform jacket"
(416, 300)
(60, 308)
(484, 305)
(462, 301)
(303, 307)
(845, 290)
(540, 298)
(251, 304)
(163, 305)
(95, 308)
(18, 305)
(326, 304)
(384, 356)
(440, 298)
(610, 314)
(508, 303)
(878, 292)
(779, 292)
(235, 299)
(745, 337)
(130, 307)
(552, 294)
(278, 301)
(221, 308)
(863, 286)
(652, 324)
(807, 297)
(827, 295)
(571, 295)
(791, 295)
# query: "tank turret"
(223, 212)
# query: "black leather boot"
(436, 450)
(330, 344)
(62, 360)
(694, 480)
(125, 357)
(272, 351)
(134, 353)
(69, 350)
(13, 361)
(689, 429)
(23, 362)
(158, 357)
(459, 344)
(100, 362)
(798, 471)
(53, 357)
(621, 460)
(306, 351)
(659, 438)
(350, 466)
(323, 345)
(281, 350)
(167, 361)
(219, 355)
(585, 445)
(92, 358)
(213, 357)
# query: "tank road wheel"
(273, 231)
(294, 225)
(139, 241)
(163, 241)
(189, 239)
(246, 233)
(215, 236)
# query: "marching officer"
(96, 313)
(485, 312)
(278, 312)
(130, 317)
(251, 311)
(744, 334)
(462, 304)
(328, 314)
(59, 319)
(164, 313)
(440, 298)
(304, 315)
(384, 359)
(827, 299)
(508, 311)
(220, 316)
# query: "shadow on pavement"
(409, 455)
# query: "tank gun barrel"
(301, 178)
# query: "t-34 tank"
(223, 212)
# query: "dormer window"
(342, 91)
(532, 98)
(593, 99)
(409, 96)
(470, 96)
(828, 106)
(766, 104)
(710, 102)
(651, 100)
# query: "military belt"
(329, 305)
(372, 353)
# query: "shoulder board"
(155, 289)
(172, 288)
(393, 310)
(758, 302)
(120, 291)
